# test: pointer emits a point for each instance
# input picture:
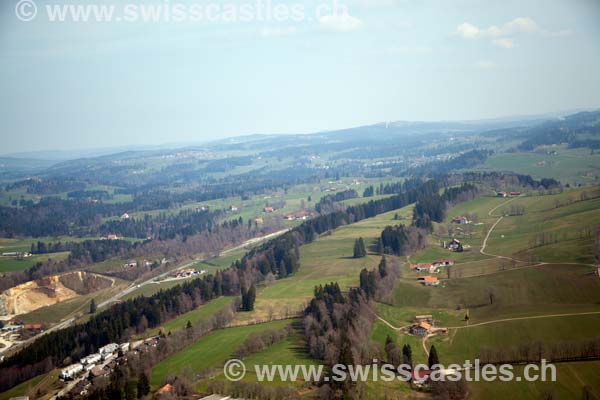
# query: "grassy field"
(295, 199)
(328, 259)
(39, 388)
(571, 378)
(571, 227)
(193, 316)
(518, 289)
(210, 351)
(25, 388)
(466, 343)
(151, 288)
(11, 264)
(569, 166)
(222, 262)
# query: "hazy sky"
(79, 85)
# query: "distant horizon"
(87, 84)
(108, 149)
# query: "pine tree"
(359, 248)
(143, 386)
(251, 298)
(433, 357)
(383, 267)
(248, 298)
(363, 249)
(407, 354)
(93, 306)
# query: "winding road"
(482, 251)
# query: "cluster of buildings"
(89, 362)
(187, 272)
(102, 363)
(431, 268)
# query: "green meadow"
(328, 259)
(205, 311)
(569, 166)
(210, 351)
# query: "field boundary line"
(525, 318)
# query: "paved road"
(154, 279)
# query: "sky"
(222, 71)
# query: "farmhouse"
(456, 246)
(301, 215)
(421, 267)
(112, 236)
(420, 377)
(187, 272)
(420, 329)
(233, 208)
(259, 220)
(125, 216)
(429, 280)
(268, 209)
(461, 220)
(515, 193)
(502, 194)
